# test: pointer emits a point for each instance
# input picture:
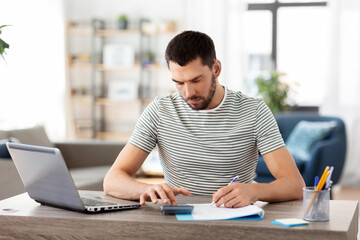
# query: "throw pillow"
(305, 135)
(34, 136)
(4, 153)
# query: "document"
(206, 211)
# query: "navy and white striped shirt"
(203, 150)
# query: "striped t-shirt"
(203, 150)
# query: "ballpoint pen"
(233, 180)
(316, 182)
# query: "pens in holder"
(318, 188)
(233, 180)
(328, 184)
(325, 178)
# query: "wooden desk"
(33, 221)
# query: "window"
(298, 45)
(303, 51)
(257, 45)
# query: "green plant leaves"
(3, 44)
(273, 91)
(123, 18)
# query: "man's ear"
(216, 68)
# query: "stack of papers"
(207, 211)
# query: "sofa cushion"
(34, 136)
(3, 135)
(305, 135)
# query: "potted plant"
(273, 91)
(149, 58)
(122, 21)
(3, 44)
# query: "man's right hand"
(162, 191)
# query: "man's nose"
(189, 90)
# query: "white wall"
(32, 85)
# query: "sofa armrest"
(10, 181)
(79, 154)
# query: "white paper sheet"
(207, 212)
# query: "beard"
(203, 102)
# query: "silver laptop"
(48, 181)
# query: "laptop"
(48, 181)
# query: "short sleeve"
(268, 136)
(145, 132)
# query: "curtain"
(223, 22)
(32, 81)
(342, 96)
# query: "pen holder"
(316, 204)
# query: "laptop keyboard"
(96, 202)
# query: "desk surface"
(34, 221)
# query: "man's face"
(195, 82)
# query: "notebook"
(204, 212)
(48, 181)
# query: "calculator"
(178, 209)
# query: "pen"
(322, 179)
(329, 177)
(316, 182)
(233, 180)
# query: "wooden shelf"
(84, 134)
(114, 136)
(87, 65)
(80, 31)
(155, 66)
(109, 102)
(85, 99)
(81, 66)
(116, 32)
(73, 30)
(106, 101)
(102, 67)
(88, 31)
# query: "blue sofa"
(330, 151)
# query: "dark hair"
(189, 45)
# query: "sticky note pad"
(290, 222)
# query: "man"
(206, 135)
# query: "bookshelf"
(106, 96)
